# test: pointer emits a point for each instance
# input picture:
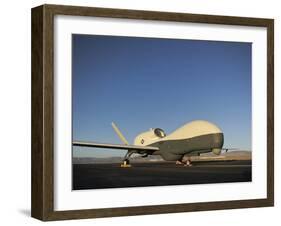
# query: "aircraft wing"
(115, 146)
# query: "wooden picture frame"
(42, 205)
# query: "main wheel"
(126, 163)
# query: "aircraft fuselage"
(191, 139)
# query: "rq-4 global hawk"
(192, 139)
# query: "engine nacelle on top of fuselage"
(148, 137)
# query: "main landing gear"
(126, 162)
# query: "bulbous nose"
(216, 151)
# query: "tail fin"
(119, 134)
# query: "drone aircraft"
(191, 139)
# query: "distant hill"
(92, 160)
(228, 156)
(225, 156)
(135, 158)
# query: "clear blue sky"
(143, 83)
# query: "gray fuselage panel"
(172, 150)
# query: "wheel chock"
(125, 164)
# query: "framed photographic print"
(141, 112)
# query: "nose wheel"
(184, 163)
(188, 163)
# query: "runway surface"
(111, 175)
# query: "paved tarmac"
(111, 175)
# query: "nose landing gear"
(184, 163)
